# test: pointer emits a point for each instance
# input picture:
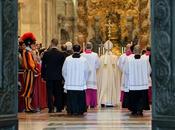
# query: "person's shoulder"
(29, 52)
(45, 51)
(130, 56)
(57, 51)
(48, 51)
(94, 53)
(83, 54)
(83, 58)
(145, 57)
(69, 58)
(123, 55)
(61, 53)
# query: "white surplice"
(75, 72)
(147, 58)
(108, 81)
(121, 63)
(138, 72)
(94, 63)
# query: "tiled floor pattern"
(105, 119)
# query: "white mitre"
(108, 45)
(68, 45)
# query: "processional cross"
(101, 49)
(109, 25)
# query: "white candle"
(103, 50)
(83, 46)
(99, 51)
(122, 50)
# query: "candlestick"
(103, 50)
(99, 49)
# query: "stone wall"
(39, 17)
(42, 17)
(30, 18)
(163, 64)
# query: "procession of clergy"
(77, 80)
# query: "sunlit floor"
(104, 119)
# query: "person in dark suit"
(51, 71)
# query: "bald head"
(128, 46)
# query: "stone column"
(8, 65)
(163, 64)
(20, 5)
(50, 21)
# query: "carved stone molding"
(8, 68)
(163, 47)
(163, 61)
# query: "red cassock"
(39, 92)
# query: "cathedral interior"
(144, 22)
(95, 20)
(121, 21)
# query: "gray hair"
(68, 45)
(137, 50)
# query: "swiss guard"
(30, 70)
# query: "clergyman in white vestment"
(138, 71)
(147, 55)
(75, 72)
(94, 63)
(108, 77)
(121, 63)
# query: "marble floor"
(104, 119)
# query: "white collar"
(28, 48)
